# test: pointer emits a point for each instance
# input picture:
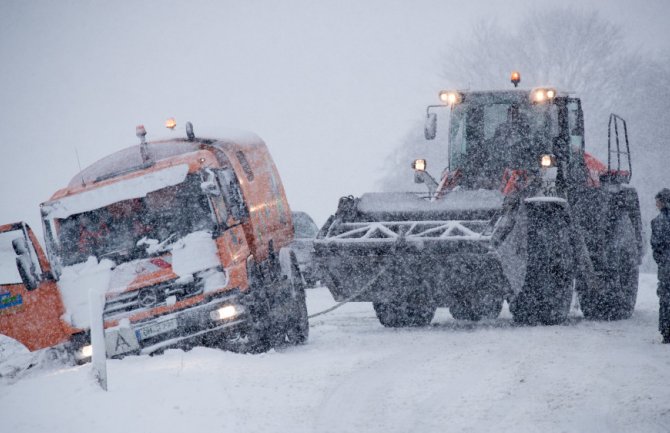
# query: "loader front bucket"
(390, 243)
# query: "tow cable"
(352, 297)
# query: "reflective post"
(99, 358)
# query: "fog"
(332, 86)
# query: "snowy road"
(355, 375)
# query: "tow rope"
(352, 297)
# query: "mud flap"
(548, 284)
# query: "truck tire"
(616, 292)
(297, 322)
(278, 312)
(412, 311)
(547, 290)
(256, 336)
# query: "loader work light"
(419, 165)
(171, 123)
(547, 161)
(450, 97)
(543, 95)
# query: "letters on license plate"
(156, 329)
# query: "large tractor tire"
(411, 310)
(481, 295)
(477, 308)
(617, 282)
(547, 290)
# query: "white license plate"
(156, 329)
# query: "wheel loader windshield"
(488, 136)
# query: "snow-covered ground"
(354, 375)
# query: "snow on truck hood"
(193, 253)
(127, 189)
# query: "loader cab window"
(488, 136)
(575, 125)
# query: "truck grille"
(146, 298)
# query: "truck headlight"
(84, 353)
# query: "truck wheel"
(616, 294)
(290, 324)
(297, 323)
(256, 336)
(414, 310)
(547, 290)
(484, 307)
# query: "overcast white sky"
(331, 86)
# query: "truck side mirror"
(430, 129)
(25, 264)
(20, 246)
(208, 186)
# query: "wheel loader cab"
(494, 131)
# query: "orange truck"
(187, 239)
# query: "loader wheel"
(413, 311)
(616, 294)
(547, 290)
(486, 307)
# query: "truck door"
(30, 303)
(230, 210)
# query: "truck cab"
(186, 239)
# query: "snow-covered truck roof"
(129, 160)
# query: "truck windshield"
(486, 137)
(114, 231)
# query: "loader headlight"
(547, 161)
(450, 97)
(419, 165)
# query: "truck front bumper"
(180, 327)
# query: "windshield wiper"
(152, 246)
